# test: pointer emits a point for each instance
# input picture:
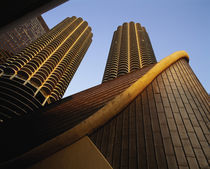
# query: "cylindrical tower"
(131, 49)
(41, 72)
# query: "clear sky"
(172, 25)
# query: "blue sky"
(172, 26)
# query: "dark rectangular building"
(16, 39)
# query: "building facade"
(164, 127)
(130, 50)
(156, 116)
(24, 11)
(4, 55)
(41, 72)
(16, 39)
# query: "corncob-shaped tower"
(41, 72)
(131, 49)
